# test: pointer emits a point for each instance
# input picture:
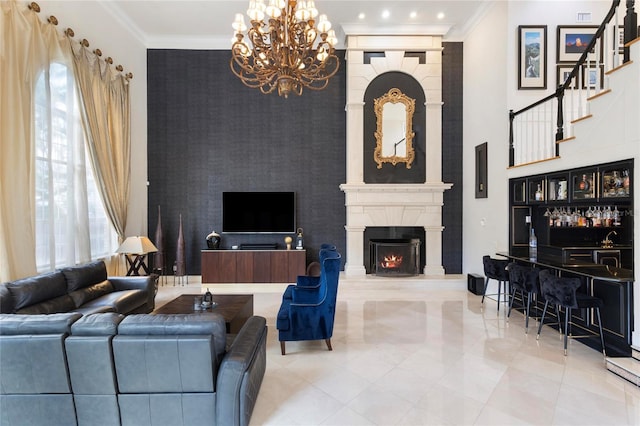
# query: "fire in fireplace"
(395, 257)
(391, 262)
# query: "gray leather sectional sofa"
(84, 289)
(109, 369)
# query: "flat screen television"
(259, 212)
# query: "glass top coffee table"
(234, 308)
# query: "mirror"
(394, 136)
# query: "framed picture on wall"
(593, 78)
(532, 57)
(562, 73)
(572, 40)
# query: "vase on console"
(213, 240)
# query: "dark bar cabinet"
(583, 222)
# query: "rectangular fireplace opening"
(395, 257)
(394, 250)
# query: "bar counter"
(590, 270)
(613, 285)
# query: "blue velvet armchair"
(308, 307)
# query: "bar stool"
(525, 280)
(495, 269)
(561, 291)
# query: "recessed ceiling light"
(361, 15)
(385, 14)
(413, 15)
(441, 15)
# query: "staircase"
(539, 132)
(627, 368)
(617, 108)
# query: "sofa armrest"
(241, 373)
(146, 283)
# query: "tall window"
(71, 224)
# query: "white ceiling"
(200, 24)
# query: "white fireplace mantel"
(394, 205)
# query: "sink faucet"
(607, 243)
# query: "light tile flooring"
(423, 351)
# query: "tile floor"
(423, 351)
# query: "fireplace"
(395, 257)
(394, 202)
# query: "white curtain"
(26, 48)
(104, 96)
(51, 213)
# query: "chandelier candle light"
(286, 48)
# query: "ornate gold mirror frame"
(394, 136)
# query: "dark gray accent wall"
(208, 133)
(452, 66)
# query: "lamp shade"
(137, 245)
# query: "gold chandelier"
(286, 48)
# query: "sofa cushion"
(11, 324)
(178, 324)
(105, 324)
(32, 290)
(85, 275)
(122, 301)
(6, 300)
(59, 304)
(86, 294)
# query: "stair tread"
(628, 363)
(627, 368)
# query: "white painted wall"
(490, 91)
(90, 20)
(485, 120)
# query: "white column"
(355, 256)
(355, 135)
(433, 250)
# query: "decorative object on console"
(299, 239)
(135, 250)
(283, 50)
(394, 136)
(207, 300)
(180, 267)
(287, 241)
(158, 257)
(213, 240)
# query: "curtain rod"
(69, 33)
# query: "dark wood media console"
(252, 266)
